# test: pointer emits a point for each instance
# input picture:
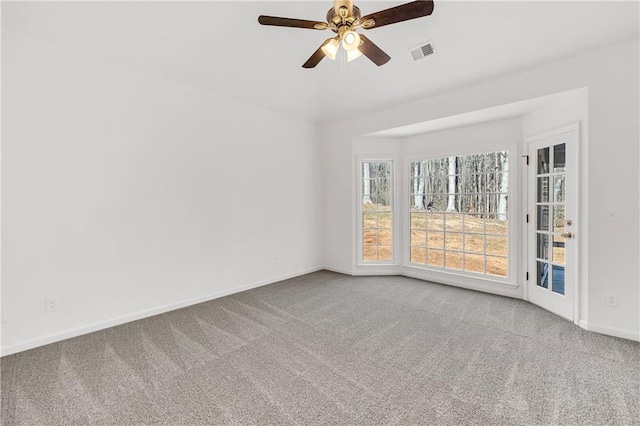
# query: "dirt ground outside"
(463, 242)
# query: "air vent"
(422, 51)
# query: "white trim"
(454, 280)
(78, 331)
(565, 129)
(337, 270)
(378, 270)
(610, 331)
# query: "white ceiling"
(220, 46)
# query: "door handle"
(567, 235)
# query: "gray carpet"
(329, 349)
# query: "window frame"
(513, 211)
(394, 199)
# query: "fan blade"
(405, 12)
(317, 56)
(373, 52)
(293, 23)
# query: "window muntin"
(459, 213)
(376, 196)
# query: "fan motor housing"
(335, 21)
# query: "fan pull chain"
(343, 64)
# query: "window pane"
(494, 225)
(418, 202)
(453, 222)
(557, 279)
(384, 236)
(474, 243)
(435, 240)
(384, 203)
(384, 253)
(418, 255)
(559, 221)
(492, 203)
(369, 236)
(418, 238)
(384, 220)
(543, 218)
(418, 220)
(558, 250)
(497, 245)
(558, 189)
(497, 266)
(474, 163)
(435, 258)
(453, 260)
(467, 211)
(542, 251)
(437, 166)
(367, 204)
(543, 190)
(370, 253)
(453, 241)
(418, 186)
(436, 203)
(369, 219)
(542, 276)
(377, 216)
(473, 223)
(474, 183)
(543, 160)
(559, 155)
(435, 221)
(474, 263)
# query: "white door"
(552, 225)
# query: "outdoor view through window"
(459, 213)
(377, 215)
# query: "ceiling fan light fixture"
(344, 18)
(350, 40)
(330, 49)
(353, 54)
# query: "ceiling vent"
(422, 51)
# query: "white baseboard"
(338, 270)
(486, 286)
(78, 331)
(456, 280)
(610, 331)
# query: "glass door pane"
(550, 218)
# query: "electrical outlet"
(277, 260)
(612, 299)
(51, 304)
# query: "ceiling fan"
(344, 19)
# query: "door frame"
(575, 268)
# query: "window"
(377, 212)
(459, 213)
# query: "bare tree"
(366, 184)
(418, 185)
(502, 204)
(451, 203)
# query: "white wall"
(124, 193)
(611, 76)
